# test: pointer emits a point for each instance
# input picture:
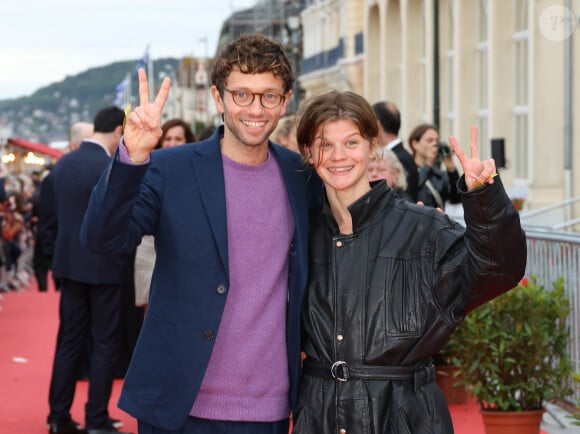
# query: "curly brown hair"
(252, 53)
(333, 106)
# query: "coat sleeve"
(111, 224)
(453, 190)
(488, 258)
(47, 221)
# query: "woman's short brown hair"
(252, 54)
(333, 106)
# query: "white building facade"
(507, 66)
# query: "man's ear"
(284, 106)
(219, 103)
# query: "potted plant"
(446, 362)
(515, 353)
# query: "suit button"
(339, 338)
(221, 289)
(209, 334)
(342, 431)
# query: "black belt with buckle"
(344, 371)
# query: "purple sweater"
(247, 375)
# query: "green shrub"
(515, 349)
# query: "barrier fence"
(552, 254)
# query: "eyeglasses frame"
(261, 94)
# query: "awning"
(36, 147)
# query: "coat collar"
(90, 143)
(365, 209)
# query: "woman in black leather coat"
(389, 281)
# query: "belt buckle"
(343, 374)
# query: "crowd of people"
(18, 216)
(274, 272)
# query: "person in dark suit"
(389, 120)
(219, 350)
(91, 284)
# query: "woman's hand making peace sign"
(476, 172)
(143, 125)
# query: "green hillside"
(46, 115)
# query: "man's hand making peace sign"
(143, 125)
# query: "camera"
(444, 149)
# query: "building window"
(359, 46)
(521, 108)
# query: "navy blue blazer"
(63, 200)
(179, 197)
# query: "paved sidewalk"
(557, 420)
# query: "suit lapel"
(293, 183)
(209, 174)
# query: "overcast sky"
(43, 41)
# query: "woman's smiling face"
(341, 156)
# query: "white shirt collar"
(393, 143)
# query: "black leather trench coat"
(390, 294)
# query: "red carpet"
(28, 326)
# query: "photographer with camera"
(437, 186)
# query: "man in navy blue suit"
(91, 284)
(219, 350)
(389, 121)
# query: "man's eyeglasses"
(245, 98)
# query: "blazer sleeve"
(411, 172)
(110, 224)
(47, 217)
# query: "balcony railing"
(324, 59)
